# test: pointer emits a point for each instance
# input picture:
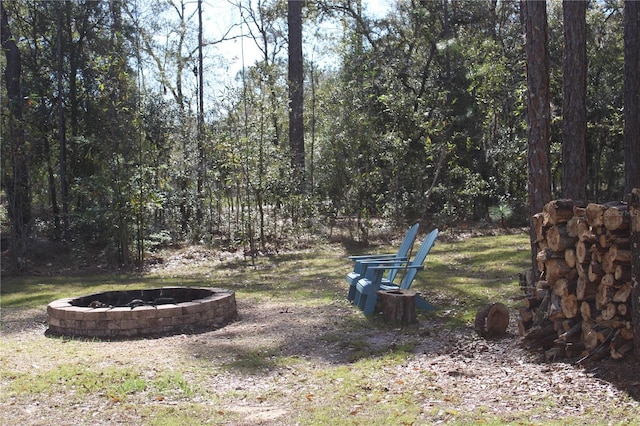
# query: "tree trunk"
(62, 137)
(538, 112)
(15, 177)
(574, 111)
(296, 82)
(634, 207)
(631, 95)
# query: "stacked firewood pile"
(580, 305)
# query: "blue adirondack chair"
(367, 288)
(363, 261)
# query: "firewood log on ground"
(492, 321)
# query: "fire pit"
(139, 313)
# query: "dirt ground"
(475, 373)
(459, 372)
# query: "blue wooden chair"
(366, 294)
(363, 261)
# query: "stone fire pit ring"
(142, 313)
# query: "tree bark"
(15, 177)
(634, 208)
(631, 95)
(574, 110)
(296, 85)
(62, 132)
(538, 111)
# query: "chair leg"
(357, 297)
(352, 293)
(361, 289)
(370, 304)
(423, 304)
(362, 301)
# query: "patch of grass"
(115, 382)
(35, 291)
(171, 383)
(374, 385)
(254, 360)
(182, 414)
(463, 276)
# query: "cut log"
(558, 211)
(567, 324)
(595, 214)
(595, 271)
(609, 311)
(623, 273)
(558, 268)
(588, 311)
(570, 257)
(616, 217)
(398, 305)
(569, 304)
(609, 264)
(583, 270)
(527, 282)
(573, 334)
(547, 254)
(573, 225)
(585, 233)
(585, 289)
(538, 224)
(526, 315)
(583, 252)
(580, 210)
(620, 255)
(523, 327)
(622, 293)
(619, 352)
(539, 337)
(531, 302)
(492, 321)
(589, 335)
(621, 240)
(597, 252)
(541, 293)
(608, 280)
(624, 311)
(558, 239)
(542, 311)
(555, 309)
(604, 296)
(627, 333)
(563, 287)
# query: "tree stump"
(398, 305)
(492, 321)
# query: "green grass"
(371, 387)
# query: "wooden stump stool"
(398, 305)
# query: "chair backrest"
(405, 247)
(419, 259)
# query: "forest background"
(134, 133)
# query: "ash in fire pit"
(136, 298)
(136, 313)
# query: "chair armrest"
(395, 266)
(360, 266)
(374, 273)
(358, 258)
